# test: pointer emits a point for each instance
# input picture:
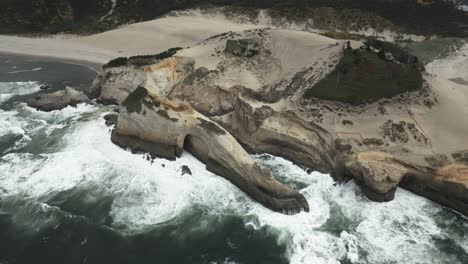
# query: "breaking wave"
(61, 179)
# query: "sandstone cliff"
(154, 124)
(251, 85)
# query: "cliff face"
(162, 127)
(250, 86)
(89, 16)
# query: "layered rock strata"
(164, 128)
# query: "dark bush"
(141, 60)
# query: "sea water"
(68, 195)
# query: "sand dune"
(142, 38)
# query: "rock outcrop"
(207, 98)
(447, 186)
(164, 128)
(284, 134)
(116, 83)
(380, 174)
(58, 100)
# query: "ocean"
(68, 195)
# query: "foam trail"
(8, 89)
(36, 69)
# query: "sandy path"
(149, 37)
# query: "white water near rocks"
(76, 152)
(8, 89)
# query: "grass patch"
(366, 77)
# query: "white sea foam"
(35, 69)
(148, 194)
(145, 194)
(8, 89)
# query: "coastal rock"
(58, 100)
(164, 128)
(282, 134)
(378, 174)
(114, 84)
(259, 101)
(210, 101)
(448, 186)
(186, 170)
(111, 119)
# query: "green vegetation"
(364, 76)
(84, 16)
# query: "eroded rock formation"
(206, 100)
(380, 174)
(283, 134)
(164, 128)
(58, 100)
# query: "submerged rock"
(58, 100)
(164, 128)
(186, 170)
(111, 119)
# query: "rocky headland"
(310, 81)
(253, 91)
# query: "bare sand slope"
(447, 123)
(281, 55)
(149, 37)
